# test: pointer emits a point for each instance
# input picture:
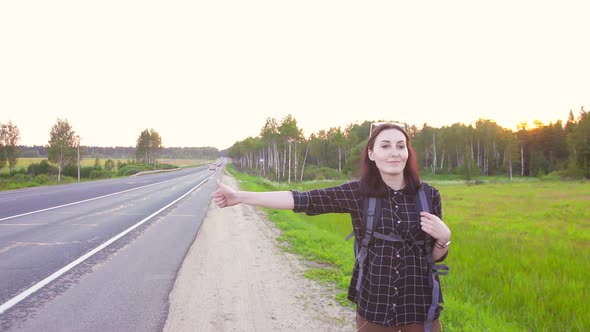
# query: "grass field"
(520, 257)
(22, 163)
(25, 162)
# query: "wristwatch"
(442, 246)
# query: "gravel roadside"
(235, 278)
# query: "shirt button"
(396, 206)
(398, 221)
(398, 256)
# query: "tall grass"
(23, 163)
(520, 257)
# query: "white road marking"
(15, 300)
(86, 200)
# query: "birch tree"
(11, 139)
(61, 148)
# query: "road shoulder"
(235, 278)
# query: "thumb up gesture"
(224, 195)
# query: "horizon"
(530, 125)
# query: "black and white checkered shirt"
(395, 289)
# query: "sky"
(209, 73)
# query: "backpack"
(372, 207)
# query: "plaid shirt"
(395, 289)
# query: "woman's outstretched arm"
(226, 196)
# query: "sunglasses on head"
(377, 124)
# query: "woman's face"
(390, 152)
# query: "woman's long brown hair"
(372, 184)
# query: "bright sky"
(208, 73)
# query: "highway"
(98, 256)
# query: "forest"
(282, 153)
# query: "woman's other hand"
(433, 226)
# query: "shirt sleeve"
(339, 199)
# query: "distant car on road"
(212, 167)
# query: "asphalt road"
(97, 256)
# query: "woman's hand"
(224, 195)
(433, 226)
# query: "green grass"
(520, 258)
(23, 163)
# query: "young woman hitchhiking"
(392, 285)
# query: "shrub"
(109, 165)
(323, 173)
(41, 178)
(130, 170)
(17, 171)
(72, 171)
(68, 179)
(41, 168)
(166, 166)
(572, 171)
(21, 178)
(553, 176)
(97, 174)
(97, 165)
(121, 164)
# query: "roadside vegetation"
(33, 172)
(520, 258)
(62, 159)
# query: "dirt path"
(236, 279)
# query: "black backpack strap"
(424, 203)
(372, 214)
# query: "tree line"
(63, 148)
(282, 153)
(125, 152)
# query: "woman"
(395, 291)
